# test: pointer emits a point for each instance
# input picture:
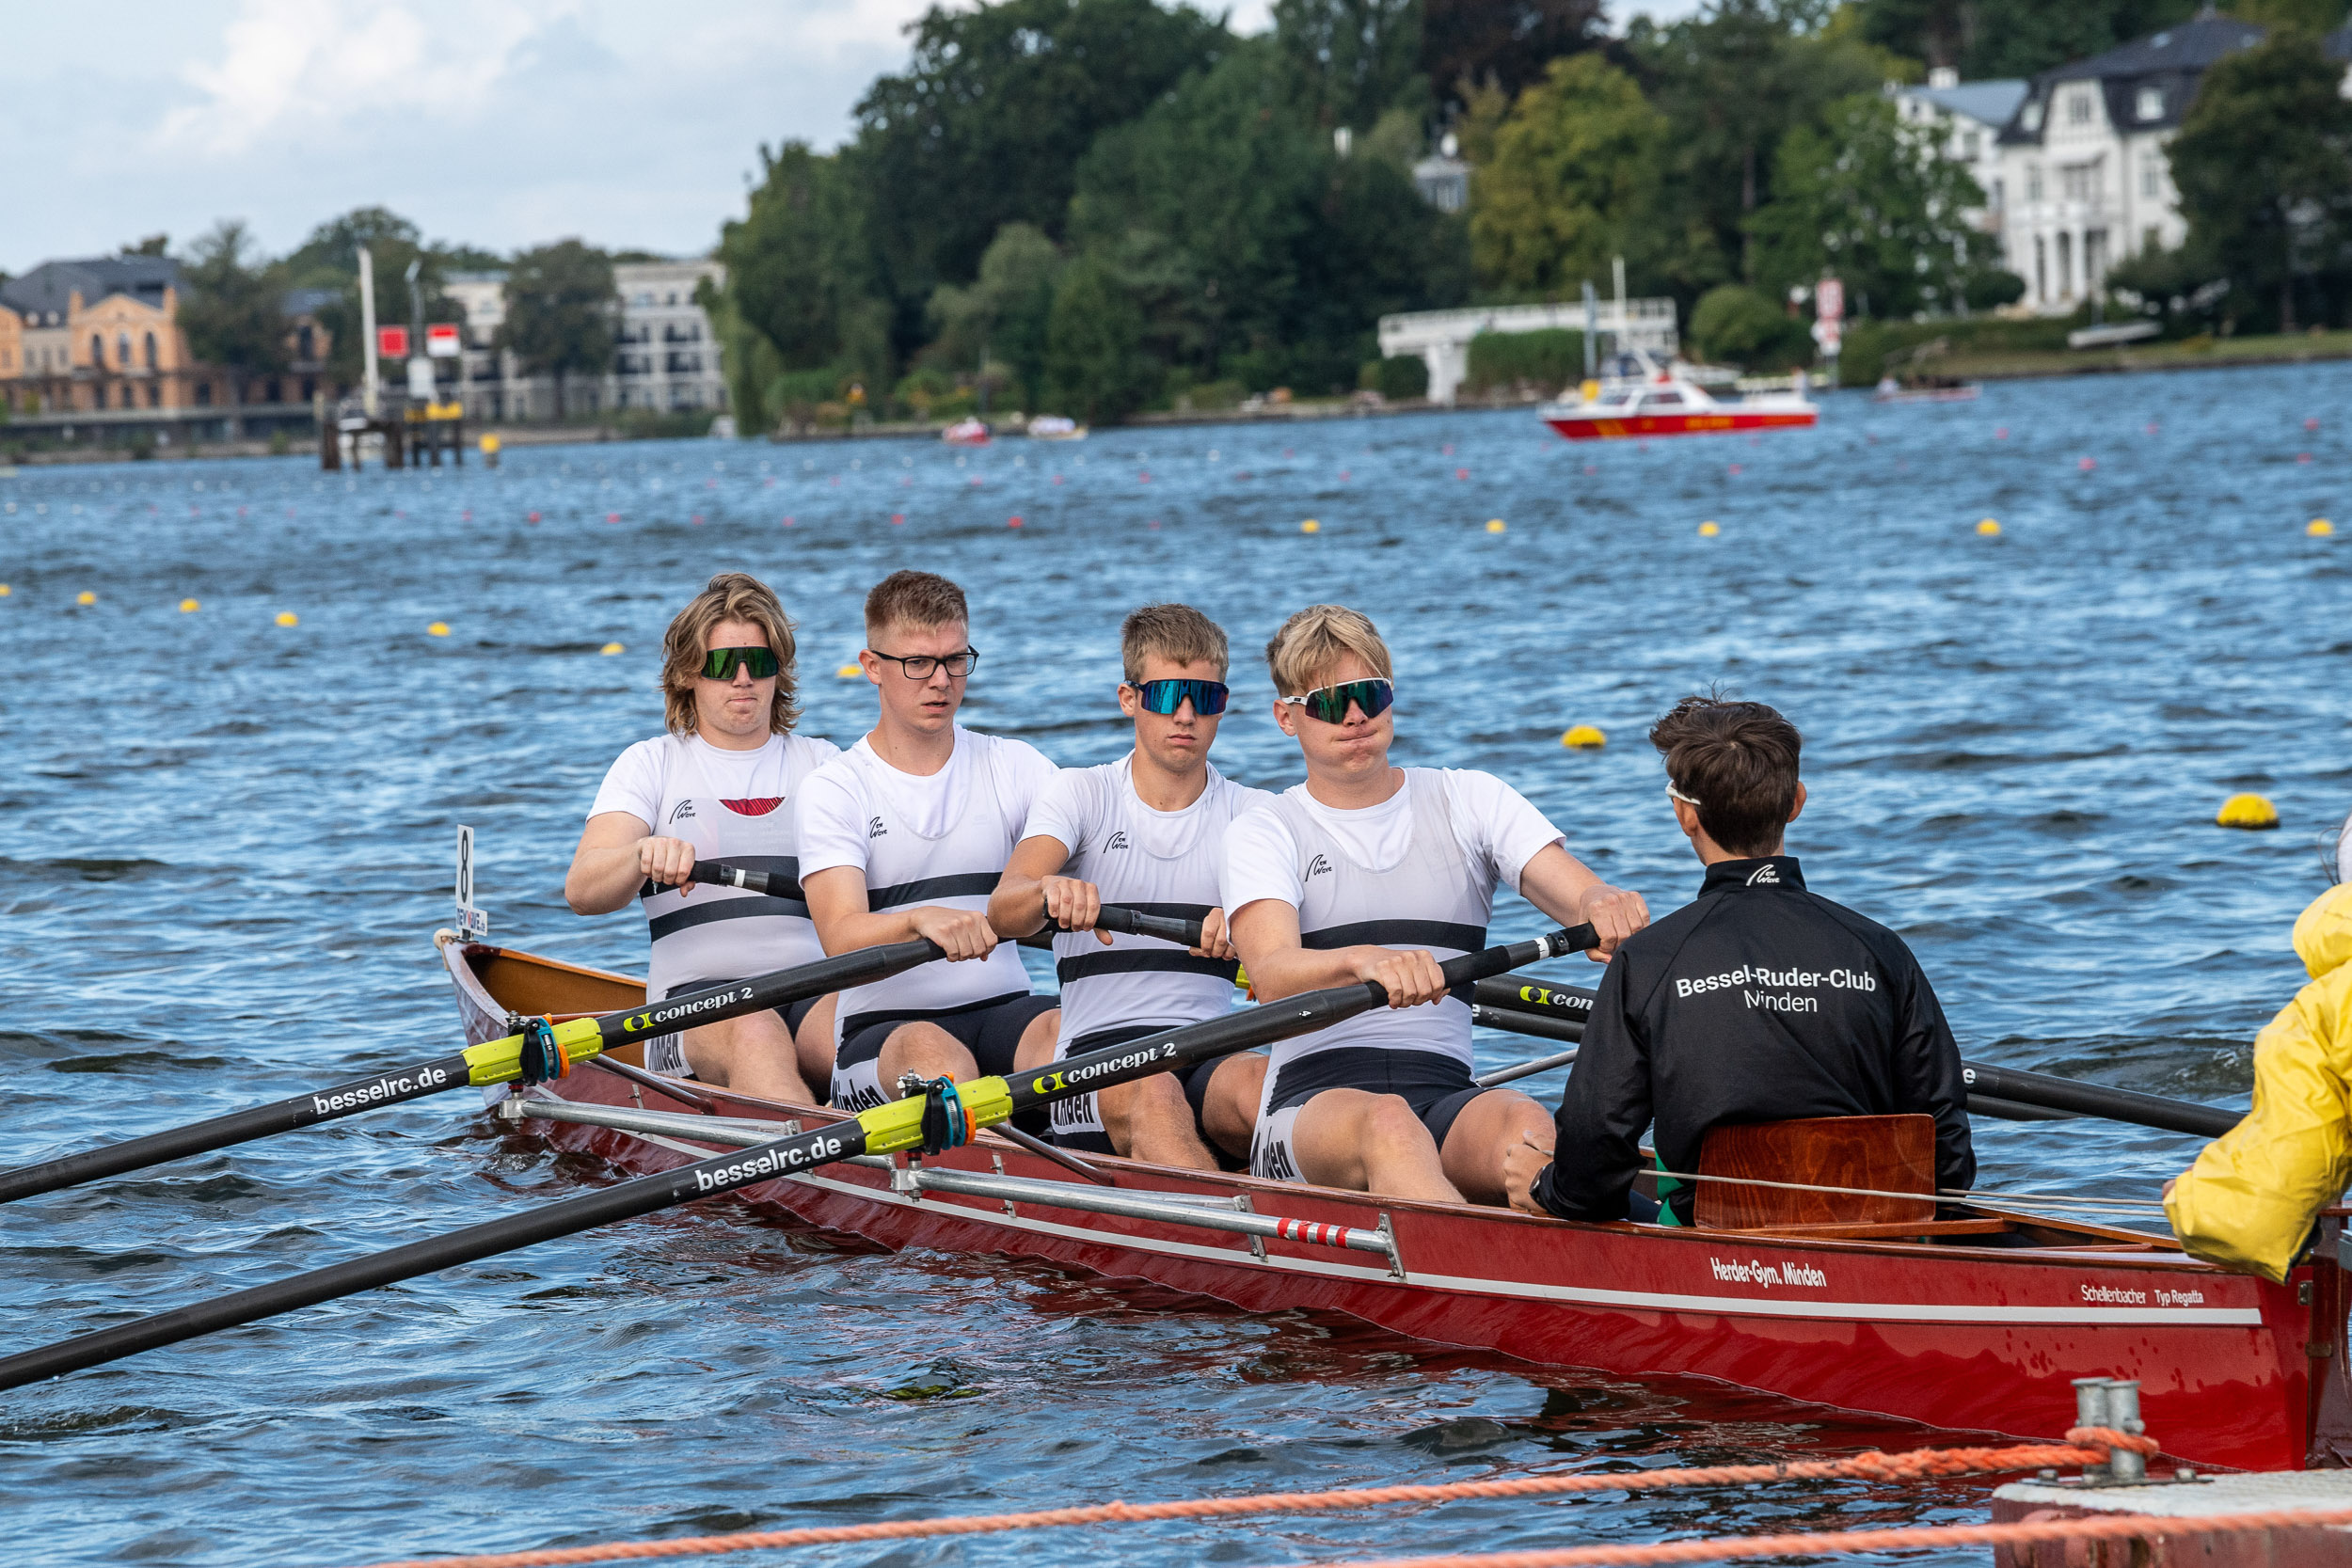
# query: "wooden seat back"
(1884, 1154)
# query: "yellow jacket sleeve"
(2250, 1201)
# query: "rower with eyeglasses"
(1146, 832)
(719, 784)
(1371, 872)
(904, 836)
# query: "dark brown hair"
(1739, 761)
(917, 600)
(1176, 632)
(728, 597)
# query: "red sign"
(392, 341)
(441, 340)
(1829, 300)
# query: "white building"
(665, 360)
(1967, 118)
(2083, 167)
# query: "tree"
(329, 259)
(154, 245)
(560, 305)
(1352, 58)
(1507, 44)
(987, 124)
(1738, 325)
(1566, 183)
(1095, 368)
(802, 274)
(1001, 316)
(232, 311)
(1869, 199)
(2264, 165)
(2017, 37)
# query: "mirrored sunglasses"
(1165, 697)
(720, 664)
(1331, 702)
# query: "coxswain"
(2251, 1199)
(904, 836)
(1371, 872)
(718, 785)
(1756, 1002)
(1146, 832)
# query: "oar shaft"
(2097, 1100)
(1525, 1070)
(1544, 1026)
(1525, 993)
(301, 1110)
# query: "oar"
(881, 1129)
(1112, 917)
(1551, 1027)
(1525, 1070)
(1526, 993)
(2096, 1100)
(497, 1061)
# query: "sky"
(500, 123)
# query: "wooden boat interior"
(1881, 1153)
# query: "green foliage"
(2264, 165)
(1095, 369)
(1862, 358)
(752, 361)
(233, 314)
(1352, 60)
(1002, 314)
(1568, 181)
(800, 271)
(1864, 197)
(1548, 360)
(1992, 288)
(329, 259)
(2015, 37)
(1396, 376)
(154, 245)
(1509, 43)
(1737, 325)
(988, 121)
(560, 308)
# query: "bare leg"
(751, 1055)
(1151, 1120)
(1369, 1143)
(813, 1041)
(925, 1049)
(1483, 1132)
(1036, 1041)
(1228, 1113)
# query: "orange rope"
(2112, 1527)
(1918, 1465)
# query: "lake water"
(224, 844)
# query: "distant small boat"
(1055, 427)
(966, 431)
(1666, 403)
(1892, 390)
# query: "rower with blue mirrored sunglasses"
(1166, 696)
(1374, 696)
(720, 664)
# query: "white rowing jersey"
(941, 839)
(1417, 871)
(1160, 862)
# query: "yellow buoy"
(1989, 528)
(4, 589)
(188, 607)
(2320, 527)
(490, 445)
(438, 628)
(1709, 529)
(1311, 526)
(288, 618)
(1585, 738)
(2246, 811)
(86, 596)
(1494, 525)
(611, 648)
(848, 670)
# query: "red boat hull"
(1963, 1338)
(1723, 422)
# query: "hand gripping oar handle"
(497, 1061)
(719, 874)
(2097, 1100)
(1112, 917)
(882, 1130)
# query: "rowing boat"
(1970, 1324)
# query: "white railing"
(1442, 337)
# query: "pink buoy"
(1012, 522)
(1735, 468)
(612, 516)
(2085, 464)
(1590, 469)
(897, 518)
(2311, 423)
(698, 519)
(1461, 473)
(787, 522)
(2001, 433)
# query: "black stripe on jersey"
(1159, 960)
(787, 865)
(1396, 933)
(973, 883)
(702, 913)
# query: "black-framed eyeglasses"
(720, 664)
(1166, 696)
(1331, 702)
(918, 666)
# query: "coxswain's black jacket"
(1758, 1002)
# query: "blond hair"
(915, 600)
(1317, 637)
(1175, 632)
(728, 597)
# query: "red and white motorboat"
(1655, 401)
(1966, 1325)
(970, 430)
